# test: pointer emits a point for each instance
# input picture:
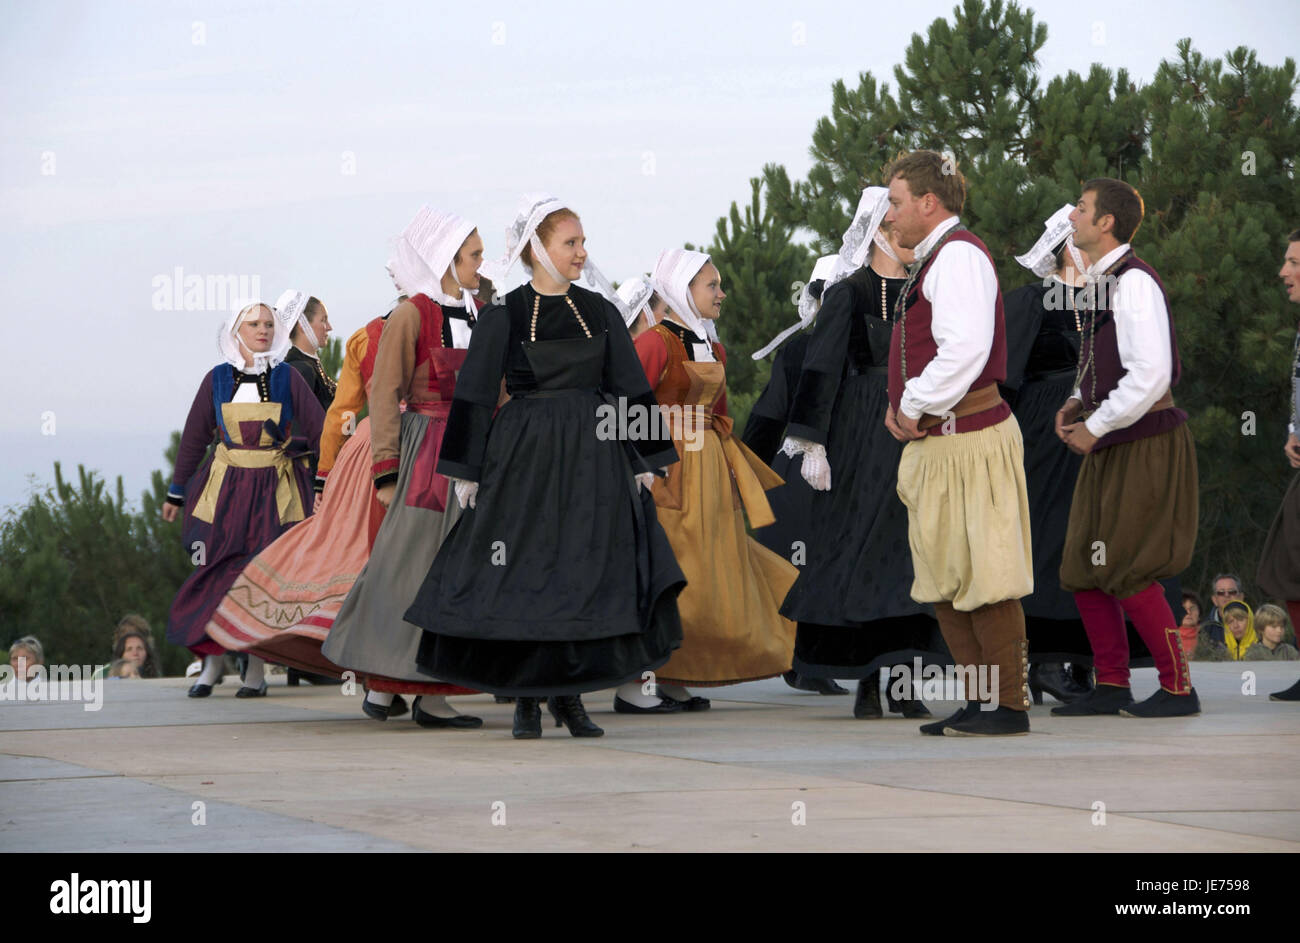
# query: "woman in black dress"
(309, 325)
(557, 579)
(852, 600)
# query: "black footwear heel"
(572, 714)
(550, 706)
(1036, 693)
(293, 679)
(866, 705)
(528, 718)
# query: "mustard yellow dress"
(731, 624)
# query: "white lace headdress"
(672, 279)
(808, 305)
(232, 348)
(291, 308)
(424, 252)
(855, 248)
(633, 299)
(1041, 259)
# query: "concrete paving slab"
(305, 770)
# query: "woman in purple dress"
(265, 425)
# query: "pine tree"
(762, 270)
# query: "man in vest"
(962, 473)
(1134, 514)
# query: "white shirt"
(962, 288)
(1142, 335)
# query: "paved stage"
(304, 770)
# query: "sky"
(286, 144)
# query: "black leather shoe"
(259, 691)
(816, 685)
(1103, 699)
(528, 718)
(568, 710)
(1051, 677)
(1164, 704)
(1290, 694)
(459, 722)
(936, 729)
(200, 690)
(1001, 722)
(866, 706)
(910, 707)
(695, 703)
(372, 710)
(398, 707)
(666, 705)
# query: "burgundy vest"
(922, 347)
(1107, 370)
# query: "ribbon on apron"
(750, 473)
(426, 488)
(288, 500)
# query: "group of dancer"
(480, 529)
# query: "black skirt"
(853, 597)
(561, 579)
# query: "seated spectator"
(124, 668)
(133, 641)
(1190, 628)
(25, 656)
(1239, 629)
(1227, 587)
(1270, 623)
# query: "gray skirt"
(369, 635)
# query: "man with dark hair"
(961, 475)
(1279, 565)
(1134, 513)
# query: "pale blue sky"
(136, 138)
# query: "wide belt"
(976, 401)
(288, 501)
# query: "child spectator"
(25, 656)
(123, 668)
(1270, 623)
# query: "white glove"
(816, 470)
(466, 492)
(645, 480)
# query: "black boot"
(1103, 699)
(1080, 678)
(528, 718)
(866, 705)
(910, 707)
(1051, 677)
(816, 685)
(1290, 694)
(569, 711)
(1001, 722)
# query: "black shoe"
(1103, 699)
(816, 685)
(459, 722)
(1002, 722)
(1051, 677)
(296, 677)
(200, 690)
(913, 708)
(372, 710)
(936, 729)
(528, 718)
(569, 711)
(259, 691)
(692, 703)
(1290, 694)
(398, 707)
(1164, 704)
(666, 705)
(866, 706)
